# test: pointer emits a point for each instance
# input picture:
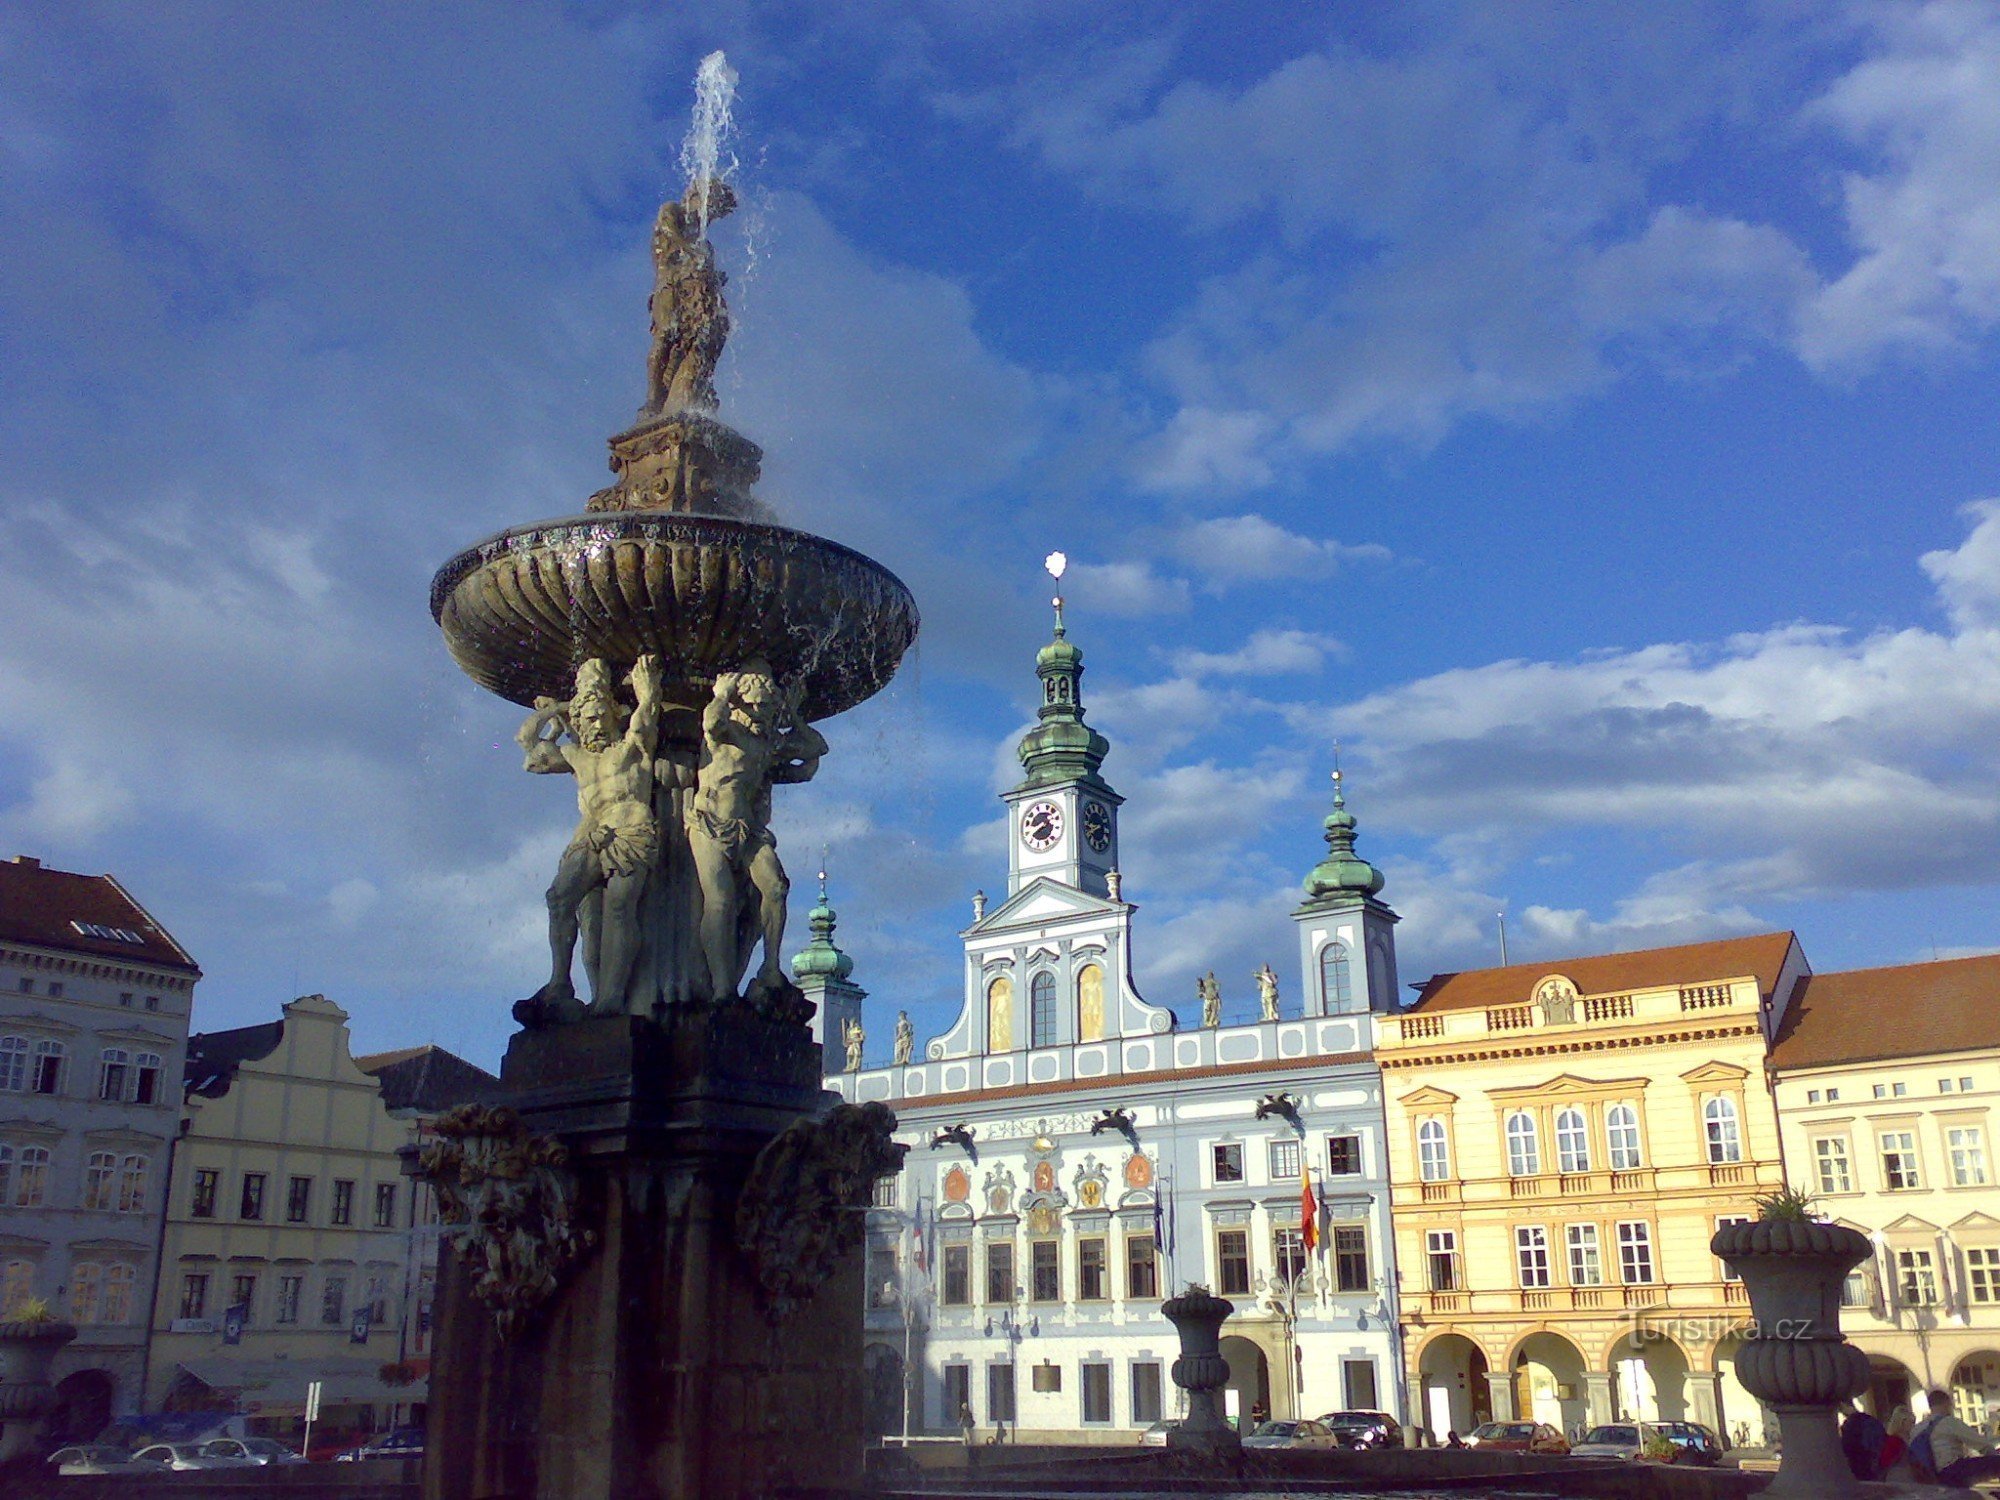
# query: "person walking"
(965, 1421)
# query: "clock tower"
(1063, 817)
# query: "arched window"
(1572, 1142)
(6, 1171)
(1621, 1127)
(1524, 1152)
(1042, 1010)
(86, 1286)
(1000, 1015)
(1433, 1156)
(113, 1066)
(13, 1063)
(132, 1185)
(46, 1077)
(1334, 989)
(100, 1175)
(31, 1177)
(146, 1078)
(118, 1283)
(1725, 1135)
(17, 1285)
(1090, 1003)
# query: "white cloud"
(1228, 550)
(1968, 576)
(1124, 589)
(1208, 451)
(1268, 653)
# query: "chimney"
(28, 860)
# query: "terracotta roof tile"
(1909, 1010)
(39, 905)
(1762, 956)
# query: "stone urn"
(1796, 1360)
(1198, 1315)
(27, 1347)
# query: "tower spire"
(1342, 872)
(1061, 747)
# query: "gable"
(1715, 1072)
(1042, 901)
(1430, 1096)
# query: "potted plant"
(30, 1335)
(1654, 1447)
(1795, 1358)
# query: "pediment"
(1910, 1224)
(1976, 1223)
(1715, 1072)
(1430, 1096)
(1569, 1085)
(1044, 900)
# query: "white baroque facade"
(94, 1003)
(1079, 1154)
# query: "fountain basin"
(706, 594)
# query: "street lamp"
(909, 1299)
(1282, 1299)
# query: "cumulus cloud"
(1126, 589)
(1268, 653)
(1228, 550)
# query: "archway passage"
(83, 1407)
(1451, 1371)
(1890, 1385)
(1975, 1387)
(1249, 1388)
(1548, 1383)
(1649, 1378)
(1745, 1421)
(882, 1390)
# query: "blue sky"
(1587, 416)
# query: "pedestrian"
(1956, 1453)
(1861, 1442)
(965, 1421)
(1453, 1440)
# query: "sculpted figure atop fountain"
(752, 737)
(617, 840)
(690, 319)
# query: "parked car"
(259, 1450)
(1695, 1444)
(1692, 1443)
(1364, 1429)
(1291, 1435)
(1518, 1437)
(184, 1456)
(400, 1442)
(1612, 1440)
(1156, 1435)
(93, 1458)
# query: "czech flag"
(1308, 1208)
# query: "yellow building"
(294, 1249)
(1886, 1081)
(1564, 1139)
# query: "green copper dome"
(820, 959)
(1061, 747)
(1342, 872)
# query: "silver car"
(94, 1458)
(1292, 1435)
(184, 1456)
(1615, 1440)
(259, 1450)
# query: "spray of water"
(706, 154)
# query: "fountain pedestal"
(655, 1368)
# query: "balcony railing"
(1537, 1301)
(1527, 1187)
(1704, 996)
(1608, 1008)
(1735, 1291)
(1731, 1174)
(1440, 1192)
(1588, 1296)
(1510, 1017)
(1634, 1180)
(1645, 1296)
(1415, 1028)
(1447, 1302)
(1575, 1184)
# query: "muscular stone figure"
(752, 737)
(617, 839)
(690, 321)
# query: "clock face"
(1097, 826)
(1041, 825)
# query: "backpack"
(1921, 1458)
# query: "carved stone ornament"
(509, 1200)
(799, 1213)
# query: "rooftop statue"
(1211, 999)
(906, 1038)
(1267, 990)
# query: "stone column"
(1704, 1398)
(1500, 1391)
(1600, 1396)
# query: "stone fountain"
(653, 1281)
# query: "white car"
(259, 1450)
(184, 1456)
(93, 1458)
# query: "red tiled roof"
(1762, 956)
(41, 906)
(1909, 1010)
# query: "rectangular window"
(252, 1204)
(1812, 1096)
(112, 1068)
(1096, 1382)
(1833, 1096)
(1288, 1250)
(1441, 1252)
(1142, 1268)
(289, 1290)
(1092, 1284)
(146, 1079)
(1228, 1163)
(957, 1395)
(1350, 1258)
(1045, 1270)
(243, 1294)
(1357, 1380)
(1899, 1160)
(1586, 1261)
(1635, 1253)
(958, 1275)
(1000, 1271)
(1000, 1394)
(1831, 1164)
(1232, 1258)
(1284, 1161)
(1854, 1290)
(1881, 1091)
(1982, 1275)
(1899, 1090)
(298, 1200)
(885, 1190)
(47, 1075)
(1343, 1155)
(1145, 1393)
(1965, 1085)
(343, 1201)
(385, 1205)
(1723, 1221)
(55, 989)
(194, 1295)
(1968, 1155)
(1945, 1085)
(1531, 1255)
(1916, 1278)
(333, 1301)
